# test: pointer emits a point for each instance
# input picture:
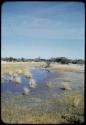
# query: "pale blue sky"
(45, 29)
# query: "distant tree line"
(61, 60)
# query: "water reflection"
(42, 77)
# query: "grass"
(3, 78)
(11, 78)
(66, 67)
(5, 68)
(65, 108)
(67, 80)
(19, 71)
(76, 102)
(65, 86)
(15, 66)
(27, 74)
(49, 85)
(17, 110)
(17, 79)
(26, 91)
(10, 73)
(27, 115)
(32, 83)
(15, 75)
(72, 118)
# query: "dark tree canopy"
(61, 60)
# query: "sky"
(43, 29)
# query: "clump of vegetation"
(26, 91)
(72, 118)
(15, 75)
(11, 78)
(10, 72)
(3, 77)
(47, 64)
(49, 85)
(27, 74)
(65, 86)
(76, 102)
(19, 71)
(17, 79)
(32, 83)
(67, 80)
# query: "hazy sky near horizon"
(45, 29)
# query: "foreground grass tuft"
(26, 91)
(49, 85)
(65, 86)
(17, 79)
(32, 83)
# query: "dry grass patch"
(49, 85)
(65, 86)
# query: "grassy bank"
(15, 66)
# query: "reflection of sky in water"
(10, 86)
(42, 76)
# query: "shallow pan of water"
(42, 76)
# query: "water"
(42, 76)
